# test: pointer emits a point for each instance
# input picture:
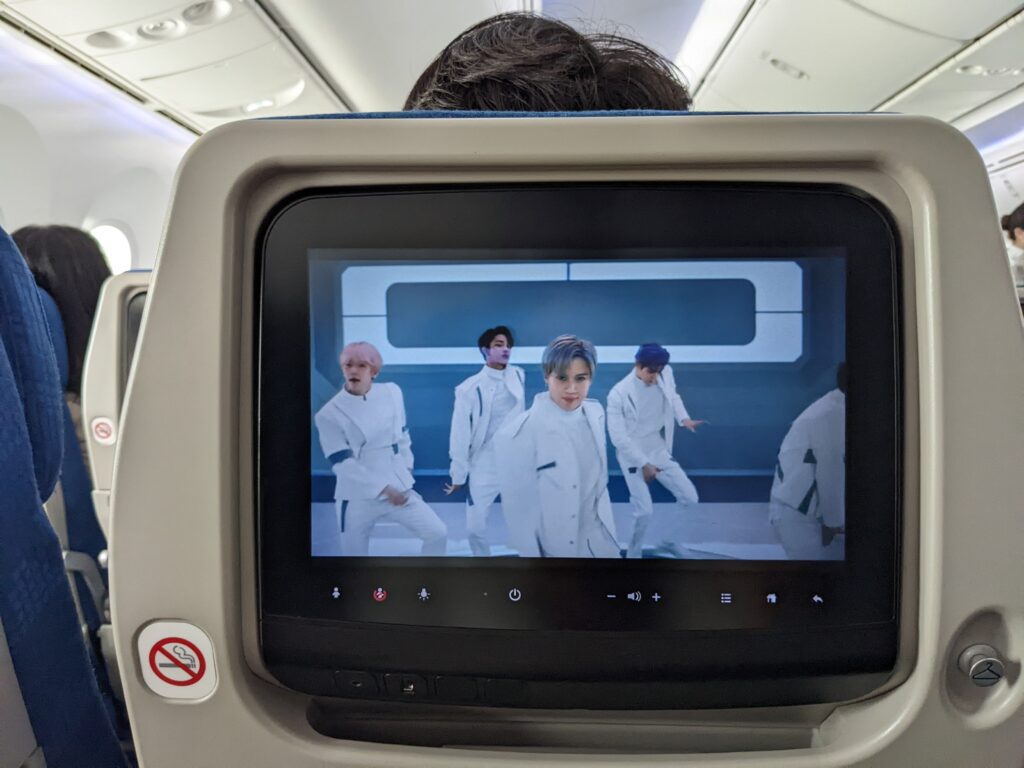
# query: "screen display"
(642, 404)
(627, 416)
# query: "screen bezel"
(722, 217)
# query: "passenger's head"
(568, 364)
(1013, 224)
(650, 359)
(495, 344)
(68, 264)
(360, 363)
(520, 62)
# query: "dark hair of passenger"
(1013, 221)
(522, 62)
(484, 342)
(68, 264)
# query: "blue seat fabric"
(50, 659)
(84, 532)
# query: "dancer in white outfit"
(364, 436)
(808, 504)
(554, 479)
(643, 410)
(483, 403)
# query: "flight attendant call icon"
(380, 594)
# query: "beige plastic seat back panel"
(183, 536)
(103, 383)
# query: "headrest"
(60, 343)
(26, 340)
(420, 114)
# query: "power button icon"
(515, 594)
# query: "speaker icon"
(634, 596)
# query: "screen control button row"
(406, 686)
(409, 686)
(355, 684)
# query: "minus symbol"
(611, 596)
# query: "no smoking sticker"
(103, 430)
(176, 659)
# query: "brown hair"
(1013, 221)
(68, 264)
(522, 62)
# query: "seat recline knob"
(982, 664)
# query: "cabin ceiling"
(208, 62)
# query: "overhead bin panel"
(70, 17)
(244, 83)
(957, 19)
(205, 46)
(312, 101)
(209, 61)
(981, 73)
(822, 55)
(186, 22)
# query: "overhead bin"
(207, 45)
(981, 73)
(946, 18)
(820, 55)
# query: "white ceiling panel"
(974, 77)
(957, 19)
(206, 46)
(374, 51)
(70, 17)
(822, 55)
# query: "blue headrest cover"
(26, 340)
(463, 114)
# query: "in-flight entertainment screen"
(579, 407)
(669, 403)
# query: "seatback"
(105, 375)
(36, 608)
(82, 528)
(186, 469)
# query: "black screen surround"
(561, 643)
